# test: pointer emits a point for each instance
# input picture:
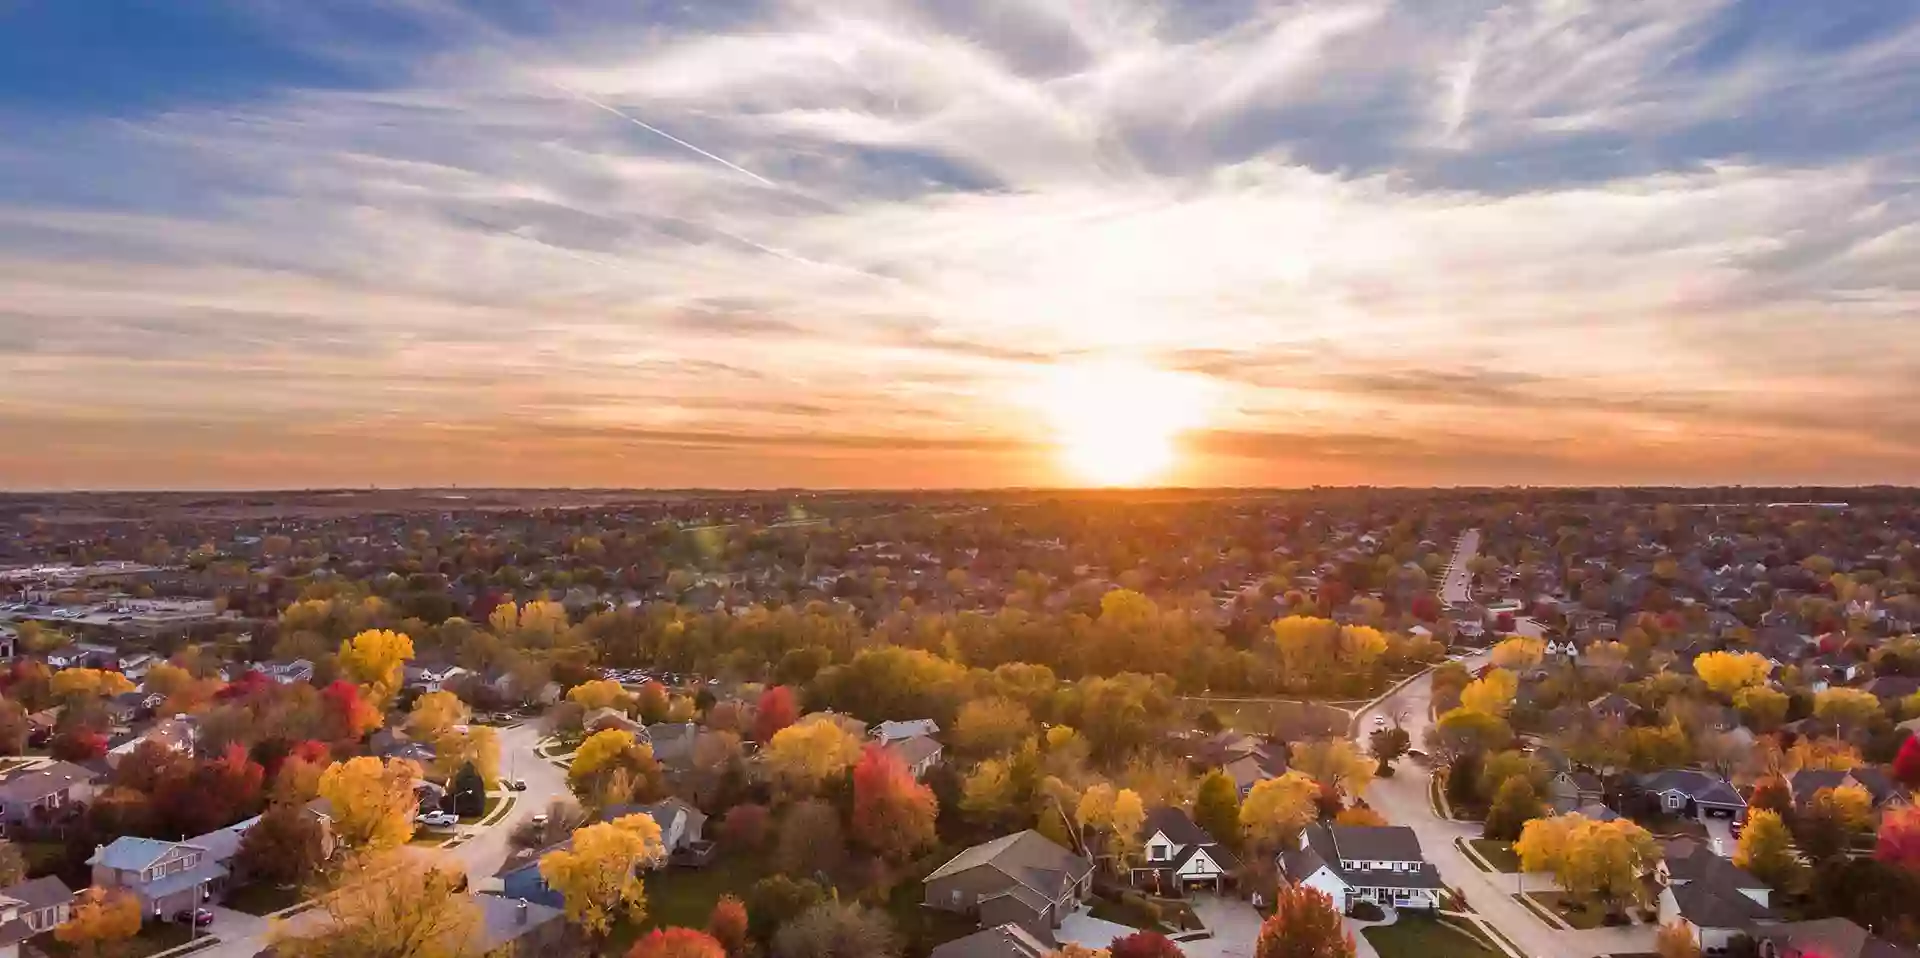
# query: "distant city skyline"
(888, 244)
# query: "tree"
(728, 925)
(434, 714)
(774, 901)
(1766, 850)
(1514, 805)
(284, 847)
(1491, 694)
(77, 684)
(611, 767)
(599, 694)
(1762, 708)
(1276, 809)
(893, 815)
(652, 703)
(1359, 815)
(810, 839)
(13, 865)
(804, 755)
(1304, 924)
(374, 660)
(1773, 793)
(833, 929)
(1388, 744)
(1899, 842)
(1216, 809)
(744, 828)
(14, 727)
(1145, 944)
(349, 714)
(1675, 940)
(677, 943)
(1727, 673)
(1518, 653)
(100, 920)
(1465, 731)
(403, 907)
(596, 876)
(991, 727)
(469, 792)
(1850, 709)
(776, 710)
(1590, 859)
(1906, 764)
(372, 803)
(1335, 764)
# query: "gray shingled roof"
(1711, 907)
(1001, 941)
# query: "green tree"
(1217, 807)
(1514, 805)
(1766, 850)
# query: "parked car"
(439, 819)
(518, 785)
(540, 818)
(197, 917)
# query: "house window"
(1157, 852)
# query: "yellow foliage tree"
(434, 714)
(1276, 809)
(99, 921)
(372, 802)
(600, 694)
(89, 683)
(1825, 754)
(1766, 708)
(804, 755)
(1491, 694)
(1361, 646)
(1603, 860)
(1766, 849)
(1519, 652)
(596, 877)
(1851, 709)
(1849, 804)
(374, 660)
(600, 750)
(1307, 645)
(1335, 763)
(402, 907)
(1729, 672)
(461, 744)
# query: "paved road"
(1456, 581)
(1403, 800)
(242, 935)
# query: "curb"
(1353, 726)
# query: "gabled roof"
(1001, 941)
(1809, 781)
(1380, 843)
(1835, 938)
(43, 781)
(914, 750)
(1709, 906)
(1176, 824)
(128, 853)
(1690, 862)
(1693, 783)
(1027, 857)
(38, 893)
(892, 731)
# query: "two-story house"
(918, 754)
(1382, 864)
(43, 903)
(1175, 852)
(166, 877)
(1692, 792)
(43, 796)
(1022, 878)
(1715, 900)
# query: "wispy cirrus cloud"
(1677, 232)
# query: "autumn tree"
(1518, 653)
(1276, 809)
(677, 943)
(101, 919)
(893, 815)
(1592, 860)
(728, 924)
(14, 727)
(396, 906)
(1144, 944)
(372, 803)
(776, 710)
(1766, 850)
(1359, 815)
(79, 684)
(1850, 709)
(775, 900)
(596, 876)
(1762, 708)
(804, 755)
(1675, 940)
(992, 726)
(611, 767)
(375, 660)
(834, 929)
(1334, 763)
(13, 865)
(1491, 694)
(1727, 673)
(1514, 805)
(810, 839)
(1465, 731)
(349, 715)
(1217, 807)
(284, 847)
(436, 713)
(744, 827)
(599, 694)
(652, 703)
(1906, 764)
(1304, 924)
(1387, 745)
(1899, 841)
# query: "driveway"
(1083, 929)
(1234, 924)
(1720, 835)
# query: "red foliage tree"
(1773, 794)
(893, 815)
(77, 745)
(212, 794)
(1503, 622)
(348, 715)
(1145, 944)
(745, 827)
(1899, 843)
(652, 703)
(1304, 924)
(728, 925)
(1906, 765)
(250, 683)
(677, 943)
(1425, 607)
(777, 710)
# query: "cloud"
(1372, 225)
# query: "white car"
(439, 819)
(1379, 721)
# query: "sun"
(1117, 423)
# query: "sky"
(955, 243)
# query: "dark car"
(199, 917)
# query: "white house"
(1714, 899)
(1382, 864)
(1177, 853)
(887, 733)
(919, 754)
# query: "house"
(287, 673)
(176, 734)
(887, 733)
(130, 707)
(1890, 689)
(1571, 789)
(1352, 863)
(1713, 914)
(1247, 759)
(672, 743)
(166, 877)
(1694, 793)
(43, 795)
(513, 928)
(1177, 853)
(13, 931)
(1614, 706)
(604, 718)
(1886, 792)
(1685, 861)
(1022, 878)
(1827, 938)
(680, 826)
(1001, 941)
(918, 754)
(43, 903)
(680, 823)
(431, 678)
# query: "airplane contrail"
(650, 128)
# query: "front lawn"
(154, 937)
(684, 897)
(1580, 915)
(262, 898)
(1417, 937)
(43, 858)
(1497, 853)
(493, 802)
